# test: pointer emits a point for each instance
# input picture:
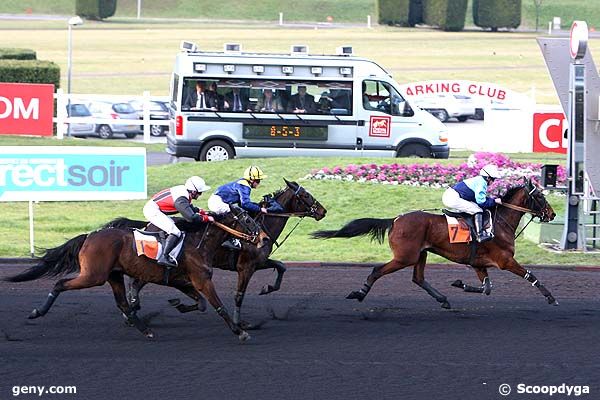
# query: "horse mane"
(510, 192)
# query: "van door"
(388, 119)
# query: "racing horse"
(109, 253)
(295, 201)
(413, 234)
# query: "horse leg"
(133, 293)
(419, 279)
(190, 291)
(245, 272)
(513, 266)
(377, 273)
(117, 283)
(486, 283)
(203, 283)
(80, 282)
(280, 269)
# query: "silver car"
(79, 129)
(116, 111)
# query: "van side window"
(281, 96)
(381, 96)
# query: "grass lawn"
(55, 222)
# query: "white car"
(116, 111)
(79, 129)
(446, 105)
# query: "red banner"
(549, 133)
(26, 109)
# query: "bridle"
(539, 211)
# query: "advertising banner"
(26, 109)
(549, 133)
(57, 173)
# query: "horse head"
(529, 196)
(239, 219)
(295, 199)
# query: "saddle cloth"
(458, 230)
(151, 244)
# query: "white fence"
(62, 119)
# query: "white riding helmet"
(490, 171)
(196, 184)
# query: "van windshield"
(267, 96)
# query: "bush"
(393, 12)
(17, 54)
(448, 15)
(30, 71)
(95, 9)
(496, 14)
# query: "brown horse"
(294, 201)
(108, 254)
(414, 234)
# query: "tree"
(538, 6)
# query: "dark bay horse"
(414, 234)
(295, 201)
(108, 254)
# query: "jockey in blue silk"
(237, 192)
(470, 196)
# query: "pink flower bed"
(437, 175)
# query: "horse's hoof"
(356, 295)
(266, 290)
(446, 305)
(201, 305)
(149, 334)
(34, 314)
(174, 302)
(458, 283)
(243, 337)
(552, 301)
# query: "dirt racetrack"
(397, 344)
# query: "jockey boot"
(165, 259)
(482, 234)
(232, 244)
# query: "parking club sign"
(56, 173)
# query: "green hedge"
(496, 14)
(95, 9)
(30, 71)
(17, 54)
(448, 15)
(393, 12)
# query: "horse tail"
(376, 228)
(124, 223)
(60, 260)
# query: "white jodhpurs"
(159, 219)
(452, 200)
(216, 205)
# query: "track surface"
(398, 344)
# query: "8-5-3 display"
(285, 132)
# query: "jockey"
(237, 192)
(470, 196)
(177, 199)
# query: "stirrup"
(167, 261)
(232, 244)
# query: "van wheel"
(414, 150)
(216, 150)
(105, 132)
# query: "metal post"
(139, 9)
(280, 18)
(69, 55)
(369, 21)
(146, 116)
(31, 247)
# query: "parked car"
(79, 129)
(446, 105)
(109, 110)
(158, 111)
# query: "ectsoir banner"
(57, 173)
(26, 109)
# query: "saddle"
(461, 226)
(151, 244)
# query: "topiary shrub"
(448, 15)
(29, 71)
(496, 14)
(95, 9)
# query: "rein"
(519, 208)
(241, 235)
